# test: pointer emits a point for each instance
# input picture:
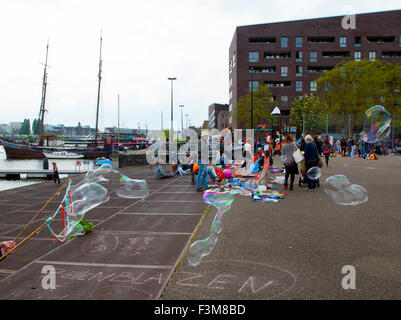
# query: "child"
(6, 246)
(266, 165)
(55, 173)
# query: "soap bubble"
(314, 173)
(89, 193)
(377, 124)
(340, 189)
(201, 248)
(132, 188)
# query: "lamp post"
(251, 97)
(171, 123)
(182, 123)
(186, 121)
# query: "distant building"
(5, 128)
(218, 116)
(15, 126)
(288, 57)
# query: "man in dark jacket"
(311, 160)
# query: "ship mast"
(98, 89)
(42, 104)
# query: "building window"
(299, 56)
(298, 85)
(357, 55)
(372, 55)
(343, 42)
(284, 42)
(326, 87)
(253, 85)
(313, 86)
(284, 71)
(400, 41)
(231, 82)
(298, 42)
(298, 97)
(357, 42)
(313, 56)
(284, 100)
(230, 94)
(230, 107)
(253, 56)
(299, 71)
(233, 60)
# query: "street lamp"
(171, 124)
(182, 123)
(251, 97)
(186, 116)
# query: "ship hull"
(20, 151)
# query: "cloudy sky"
(144, 42)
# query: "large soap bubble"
(201, 248)
(377, 124)
(89, 193)
(340, 189)
(314, 173)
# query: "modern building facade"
(218, 116)
(288, 57)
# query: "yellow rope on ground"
(41, 209)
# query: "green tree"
(35, 127)
(262, 107)
(307, 113)
(354, 86)
(205, 124)
(25, 128)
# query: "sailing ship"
(16, 150)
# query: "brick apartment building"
(218, 116)
(289, 56)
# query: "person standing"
(203, 159)
(327, 149)
(291, 167)
(311, 160)
(55, 173)
(266, 166)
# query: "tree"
(25, 128)
(354, 86)
(262, 105)
(306, 113)
(35, 126)
(205, 124)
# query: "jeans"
(211, 175)
(202, 176)
(181, 172)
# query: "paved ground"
(296, 249)
(130, 255)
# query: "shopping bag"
(297, 155)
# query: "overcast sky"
(144, 42)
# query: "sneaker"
(199, 189)
(285, 187)
(291, 187)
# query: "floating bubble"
(201, 248)
(89, 193)
(314, 173)
(377, 124)
(340, 189)
(132, 188)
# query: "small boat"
(101, 161)
(63, 155)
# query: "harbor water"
(62, 164)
